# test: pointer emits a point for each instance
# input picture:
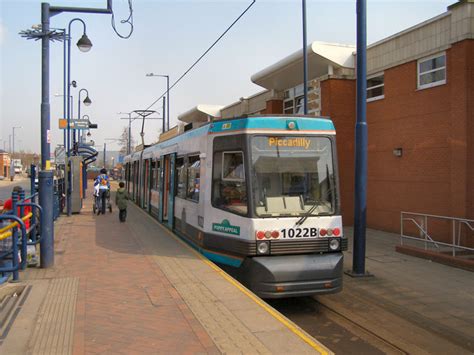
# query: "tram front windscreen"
(293, 176)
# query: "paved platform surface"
(135, 288)
(418, 305)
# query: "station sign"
(73, 124)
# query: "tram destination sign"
(74, 124)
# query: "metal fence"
(459, 227)
(21, 230)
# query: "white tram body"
(257, 195)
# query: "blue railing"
(11, 241)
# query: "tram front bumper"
(294, 275)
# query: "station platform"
(135, 288)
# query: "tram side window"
(153, 174)
(180, 178)
(156, 173)
(228, 181)
(194, 182)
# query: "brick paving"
(125, 304)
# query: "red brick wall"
(338, 102)
(435, 129)
(469, 78)
(430, 126)
(273, 106)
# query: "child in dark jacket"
(121, 198)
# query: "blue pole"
(46, 193)
(64, 85)
(33, 198)
(305, 62)
(46, 175)
(168, 101)
(360, 196)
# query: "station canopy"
(201, 113)
(323, 58)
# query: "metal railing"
(420, 221)
(24, 211)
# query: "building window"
(375, 87)
(293, 103)
(432, 71)
(194, 183)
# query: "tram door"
(146, 183)
(168, 186)
(160, 189)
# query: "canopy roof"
(288, 72)
(201, 113)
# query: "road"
(7, 186)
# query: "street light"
(87, 101)
(84, 44)
(46, 175)
(12, 164)
(167, 99)
(129, 144)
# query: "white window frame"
(436, 83)
(380, 97)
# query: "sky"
(168, 37)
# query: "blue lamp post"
(46, 175)
(84, 44)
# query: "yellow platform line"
(287, 323)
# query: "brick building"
(420, 113)
(4, 164)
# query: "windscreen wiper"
(307, 214)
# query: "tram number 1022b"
(299, 233)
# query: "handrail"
(457, 224)
(14, 224)
(14, 250)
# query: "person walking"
(121, 198)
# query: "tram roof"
(254, 123)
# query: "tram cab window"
(194, 181)
(229, 187)
(180, 178)
(293, 176)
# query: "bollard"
(46, 195)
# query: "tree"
(123, 143)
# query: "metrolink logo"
(289, 142)
(226, 227)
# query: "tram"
(258, 195)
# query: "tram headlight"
(263, 248)
(334, 244)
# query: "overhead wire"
(204, 54)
